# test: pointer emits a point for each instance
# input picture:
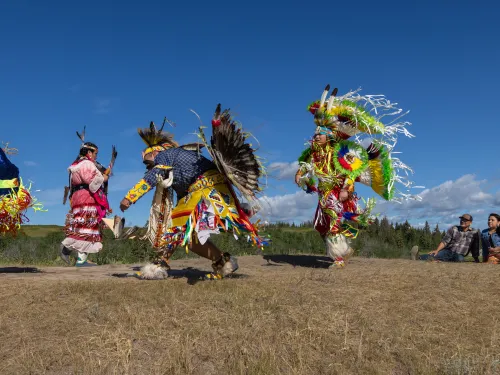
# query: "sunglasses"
(464, 220)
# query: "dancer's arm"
(147, 183)
(444, 242)
(439, 248)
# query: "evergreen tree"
(399, 240)
(436, 236)
(426, 241)
(384, 230)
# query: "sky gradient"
(115, 66)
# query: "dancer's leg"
(208, 250)
(64, 253)
(222, 263)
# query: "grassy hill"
(40, 230)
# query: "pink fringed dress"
(83, 223)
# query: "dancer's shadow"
(20, 270)
(311, 261)
(193, 275)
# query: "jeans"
(444, 255)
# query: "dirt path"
(249, 266)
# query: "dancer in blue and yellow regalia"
(350, 145)
(206, 191)
(15, 197)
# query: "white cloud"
(444, 203)
(297, 207)
(105, 105)
(30, 163)
(280, 170)
(496, 202)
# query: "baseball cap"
(466, 217)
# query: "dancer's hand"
(298, 176)
(343, 195)
(169, 180)
(124, 204)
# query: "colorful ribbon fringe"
(13, 207)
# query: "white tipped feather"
(331, 99)
(323, 97)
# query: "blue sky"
(114, 66)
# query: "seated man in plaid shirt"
(457, 243)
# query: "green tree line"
(382, 239)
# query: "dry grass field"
(372, 317)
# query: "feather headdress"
(353, 120)
(156, 139)
(351, 113)
(81, 136)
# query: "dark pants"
(444, 255)
(486, 253)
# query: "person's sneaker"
(85, 264)
(64, 253)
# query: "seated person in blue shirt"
(491, 240)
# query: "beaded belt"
(206, 180)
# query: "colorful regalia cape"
(208, 191)
(358, 149)
(15, 197)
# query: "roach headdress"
(156, 139)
